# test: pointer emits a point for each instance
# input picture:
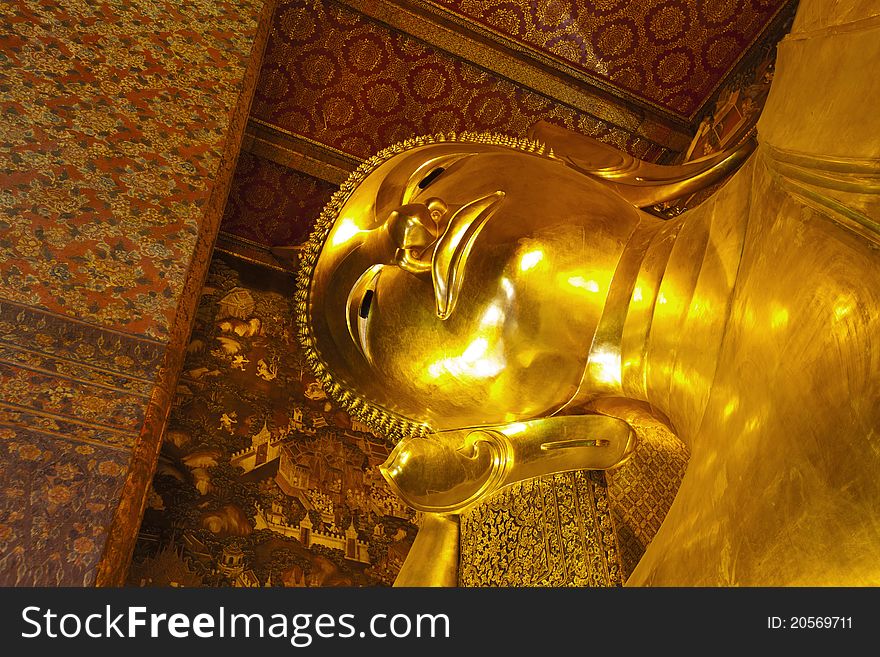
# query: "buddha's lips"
(453, 248)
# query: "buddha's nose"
(413, 228)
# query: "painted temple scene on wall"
(261, 480)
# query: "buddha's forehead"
(396, 181)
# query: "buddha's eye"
(431, 177)
(367, 299)
(420, 179)
(362, 301)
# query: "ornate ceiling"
(342, 79)
(667, 53)
(350, 83)
(265, 195)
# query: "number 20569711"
(810, 623)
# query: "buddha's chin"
(446, 416)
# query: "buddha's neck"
(660, 334)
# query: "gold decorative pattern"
(57, 496)
(509, 539)
(642, 490)
(550, 531)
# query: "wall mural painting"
(261, 480)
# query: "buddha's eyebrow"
(428, 171)
(400, 186)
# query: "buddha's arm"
(433, 557)
(819, 128)
(452, 470)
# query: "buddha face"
(461, 284)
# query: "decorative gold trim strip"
(68, 377)
(61, 359)
(249, 251)
(125, 433)
(288, 149)
(64, 436)
(84, 323)
(529, 68)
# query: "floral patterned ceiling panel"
(341, 83)
(670, 53)
(345, 81)
(272, 204)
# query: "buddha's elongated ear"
(641, 183)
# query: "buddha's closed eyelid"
(427, 173)
(361, 300)
(431, 177)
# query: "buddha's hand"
(449, 471)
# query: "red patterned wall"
(672, 53)
(340, 79)
(272, 204)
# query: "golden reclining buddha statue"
(502, 308)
